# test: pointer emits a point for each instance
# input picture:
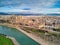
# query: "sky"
(30, 6)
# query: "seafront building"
(39, 22)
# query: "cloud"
(31, 3)
(48, 10)
(34, 6)
(26, 9)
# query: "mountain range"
(25, 14)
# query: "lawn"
(41, 32)
(54, 34)
(57, 30)
(5, 41)
(27, 29)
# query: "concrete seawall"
(13, 40)
(37, 39)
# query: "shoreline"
(35, 38)
(32, 36)
(13, 40)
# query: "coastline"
(13, 40)
(35, 38)
(32, 36)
